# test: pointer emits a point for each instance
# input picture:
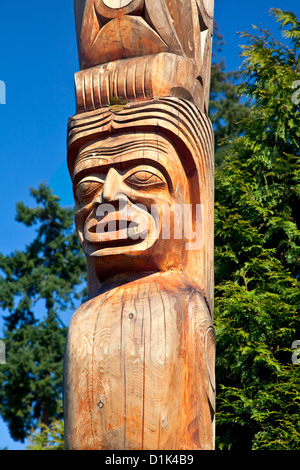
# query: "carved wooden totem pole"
(139, 362)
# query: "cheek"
(152, 197)
(88, 198)
(172, 213)
(181, 193)
(82, 213)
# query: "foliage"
(226, 108)
(48, 438)
(36, 285)
(257, 255)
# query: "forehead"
(134, 148)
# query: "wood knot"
(100, 405)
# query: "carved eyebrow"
(96, 177)
(91, 154)
(142, 144)
(90, 171)
(122, 149)
(105, 154)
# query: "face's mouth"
(127, 226)
(114, 226)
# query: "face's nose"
(113, 186)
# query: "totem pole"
(140, 352)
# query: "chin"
(118, 246)
(117, 262)
(114, 236)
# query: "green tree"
(257, 254)
(48, 437)
(36, 286)
(226, 109)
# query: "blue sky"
(38, 58)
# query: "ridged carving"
(168, 42)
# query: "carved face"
(127, 189)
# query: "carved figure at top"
(115, 30)
(108, 30)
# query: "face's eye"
(88, 186)
(144, 178)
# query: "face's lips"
(129, 225)
(114, 225)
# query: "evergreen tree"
(226, 108)
(257, 254)
(48, 438)
(47, 276)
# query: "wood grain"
(139, 355)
